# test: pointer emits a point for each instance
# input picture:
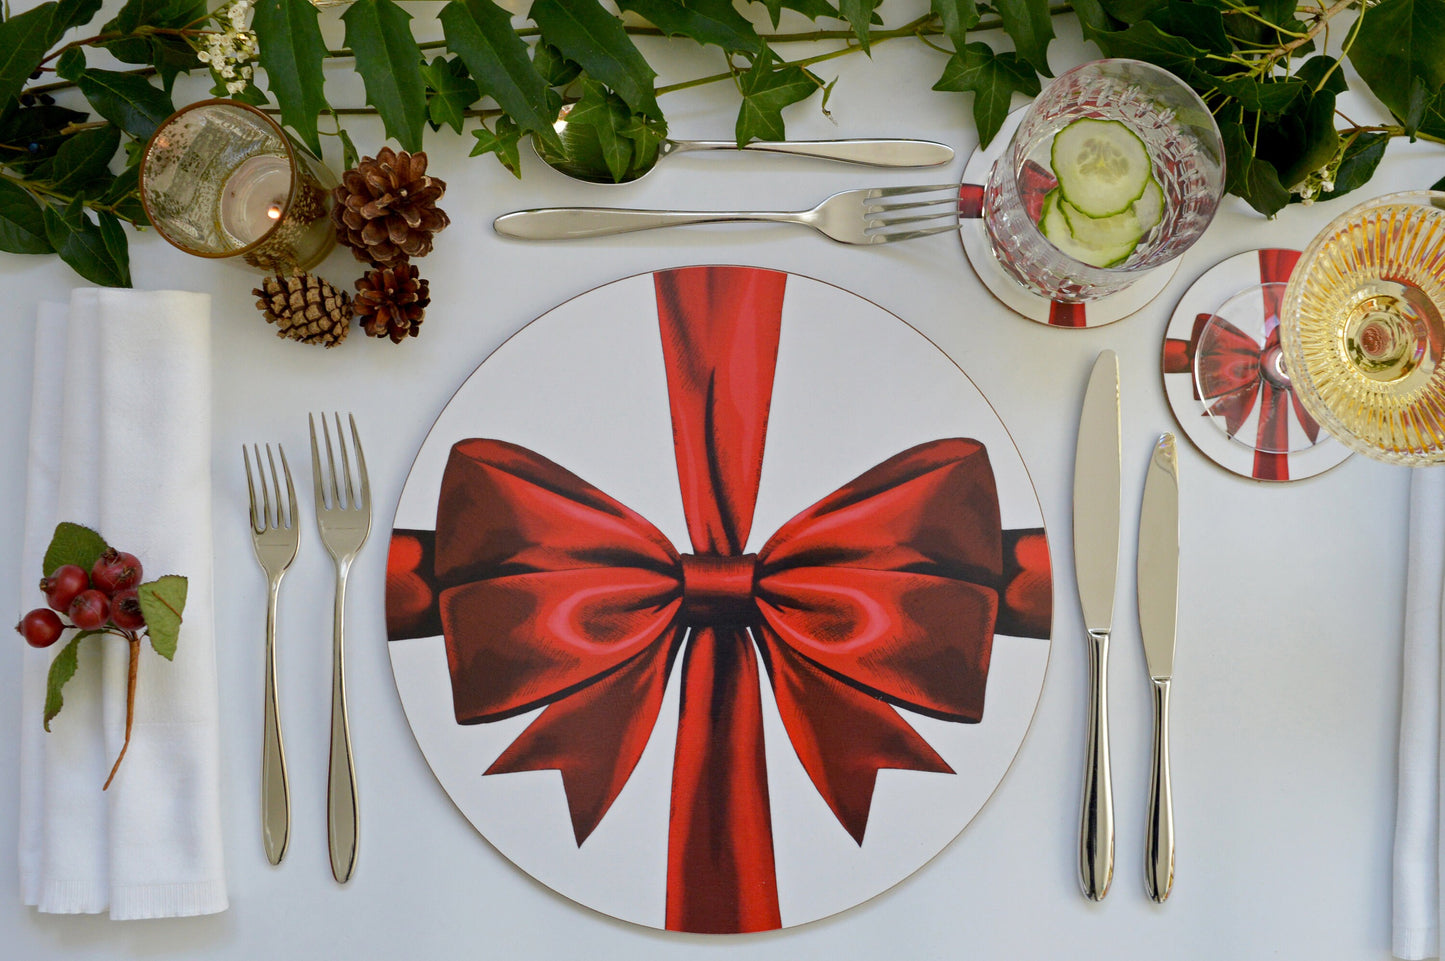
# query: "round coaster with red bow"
(719, 599)
(1012, 294)
(1225, 378)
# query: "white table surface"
(1286, 698)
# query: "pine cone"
(390, 301)
(306, 308)
(386, 210)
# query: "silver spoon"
(582, 160)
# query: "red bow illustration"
(1243, 372)
(553, 595)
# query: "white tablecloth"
(1287, 684)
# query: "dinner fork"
(875, 215)
(275, 536)
(344, 521)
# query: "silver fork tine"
(265, 491)
(903, 191)
(316, 464)
(944, 204)
(345, 465)
(290, 487)
(256, 525)
(360, 465)
(281, 520)
(887, 238)
(336, 502)
(878, 223)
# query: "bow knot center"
(718, 590)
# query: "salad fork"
(343, 521)
(275, 536)
(873, 215)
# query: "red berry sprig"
(99, 590)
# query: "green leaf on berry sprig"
(162, 601)
(62, 669)
(72, 544)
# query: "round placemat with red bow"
(719, 599)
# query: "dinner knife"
(1096, 562)
(1158, 605)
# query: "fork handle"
(566, 223)
(341, 772)
(275, 793)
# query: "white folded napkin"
(1417, 818)
(120, 440)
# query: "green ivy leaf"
(171, 56)
(1031, 26)
(767, 87)
(71, 64)
(556, 69)
(503, 141)
(812, 9)
(162, 602)
(1201, 23)
(22, 222)
(452, 91)
(73, 13)
(389, 61)
(1316, 69)
(1401, 42)
(72, 544)
(859, 14)
(126, 100)
(1132, 11)
(85, 157)
(292, 53)
(993, 78)
(481, 34)
(349, 154)
(957, 17)
(588, 35)
(1302, 139)
(81, 244)
(1357, 165)
(1094, 21)
(1145, 41)
(707, 21)
(1270, 98)
(1249, 177)
(62, 669)
(24, 39)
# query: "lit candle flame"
(274, 211)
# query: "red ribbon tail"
(721, 877)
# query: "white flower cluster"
(231, 51)
(1321, 181)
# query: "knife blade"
(1158, 608)
(1096, 563)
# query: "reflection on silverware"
(275, 536)
(343, 516)
(582, 156)
(877, 215)
(1158, 606)
(1096, 561)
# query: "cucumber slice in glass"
(1101, 165)
(1054, 225)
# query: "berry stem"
(134, 639)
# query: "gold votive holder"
(222, 179)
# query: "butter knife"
(1096, 562)
(1158, 606)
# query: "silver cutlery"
(344, 520)
(581, 157)
(275, 536)
(1096, 561)
(1158, 606)
(877, 215)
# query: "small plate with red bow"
(718, 599)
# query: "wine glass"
(1181, 180)
(1362, 331)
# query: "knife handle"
(1159, 836)
(1096, 834)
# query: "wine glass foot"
(1226, 378)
